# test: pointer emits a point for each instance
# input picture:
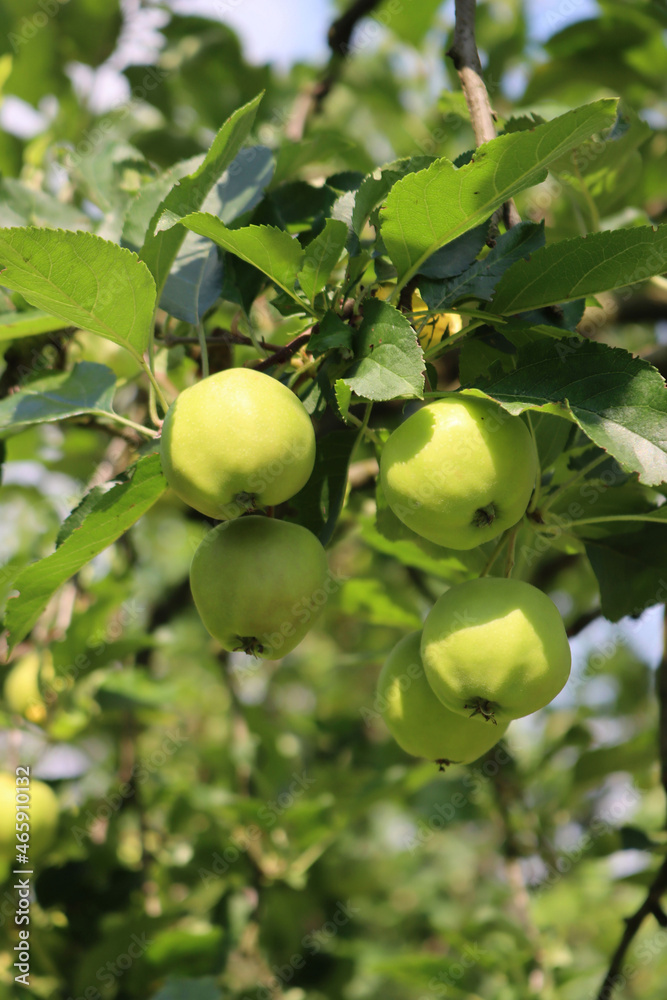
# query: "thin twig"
(511, 546)
(284, 353)
(203, 350)
(219, 336)
(632, 924)
(465, 57)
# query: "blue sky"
(296, 29)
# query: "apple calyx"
(443, 763)
(249, 644)
(246, 500)
(484, 516)
(480, 706)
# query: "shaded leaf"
(271, 250)
(87, 388)
(333, 332)
(480, 279)
(161, 246)
(318, 505)
(631, 569)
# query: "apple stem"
(509, 565)
(494, 555)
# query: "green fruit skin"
(236, 433)
(259, 584)
(419, 723)
(459, 471)
(501, 641)
(43, 813)
(21, 690)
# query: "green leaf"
(390, 363)
(321, 256)
(368, 599)
(343, 397)
(83, 279)
(23, 205)
(293, 156)
(457, 256)
(143, 207)
(377, 186)
(479, 280)
(629, 755)
(31, 323)
(131, 688)
(619, 401)
(409, 22)
(195, 280)
(271, 250)
(113, 513)
(631, 569)
(584, 265)
(88, 388)
(318, 505)
(332, 333)
(428, 209)
(161, 245)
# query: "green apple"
(21, 689)
(42, 813)
(236, 441)
(495, 648)
(259, 584)
(421, 724)
(459, 471)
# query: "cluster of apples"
(459, 472)
(236, 442)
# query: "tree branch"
(283, 353)
(219, 336)
(310, 101)
(465, 57)
(658, 886)
(633, 923)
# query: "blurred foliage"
(241, 828)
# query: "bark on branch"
(465, 57)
